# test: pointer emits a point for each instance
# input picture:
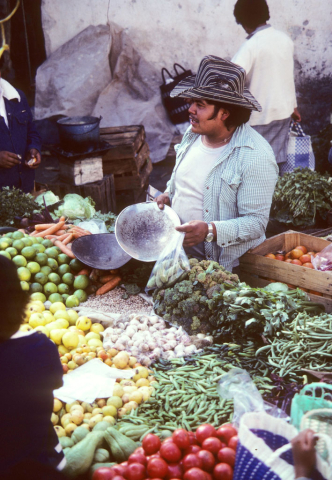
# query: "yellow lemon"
(57, 334)
(73, 316)
(97, 328)
(94, 342)
(62, 323)
(57, 405)
(48, 316)
(83, 323)
(37, 320)
(109, 410)
(25, 328)
(70, 340)
(57, 306)
(62, 349)
(62, 314)
(91, 335)
(43, 330)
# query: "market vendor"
(225, 173)
(30, 371)
(20, 143)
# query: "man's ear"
(223, 114)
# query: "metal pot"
(79, 134)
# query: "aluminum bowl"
(143, 230)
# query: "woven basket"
(312, 397)
(320, 421)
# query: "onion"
(114, 338)
(169, 355)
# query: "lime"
(41, 278)
(52, 263)
(55, 297)
(9, 234)
(63, 259)
(24, 274)
(68, 278)
(34, 267)
(63, 268)
(34, 240)
(28, 252)
(38, 296)
(52, 252)
(18, 244)
(41, 258)
(27, 241)
(54, 278)
(58, 249)
(65, 296)
(7, 239)
(47, 243)
(81, 282)
(39, 248)
(76, 265)
(81, 295)
(19, 260)
(5, 254)
(36, 287)
(17, 235)
(72, 301)
(50, 287)
(46, 270)
(63, 288)
(4, 244)
(12, 251)
(25, 286)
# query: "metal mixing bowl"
(143, 230)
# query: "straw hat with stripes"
(220, 81)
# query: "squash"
(79, 434)
(121, 446)
(101, 455)
(66, 442)
(80, 456)
(101, 426)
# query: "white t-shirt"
(190, 178)
(9, 92)
(267, 58)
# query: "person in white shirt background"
(267, 57)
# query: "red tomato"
(151, 444)
(208, 460)
(136, 471)
(208, 476)
(194, 474)
(139, 450)
(212, 444)
(205, 431)
(192, 438)
(233, 442)
(191, 461)
(227, 455)
(155, 455)
(103, 473)
(137, 458)
(118, 477)
(124, 464)
(120, 470)
(174, 471)
(222, 471)
(192, 449)
(167, 440)
(181, 438)
(157, 468)
(225, 433)
(170, 452)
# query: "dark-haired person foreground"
(267, 57)
(225, 173)
(30, 371)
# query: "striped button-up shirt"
(237, 193)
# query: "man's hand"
(304, 453)
(195, 231)
(33, 154)
(8, 159)
(162, 200)
(296, 115)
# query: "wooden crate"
(80, 172)
(258, 271)
(103, 192)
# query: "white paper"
(90, 381)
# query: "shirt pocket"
(229, 188)
(22, 117)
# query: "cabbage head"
(49, 196)
(74, 206)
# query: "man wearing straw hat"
(225, 173)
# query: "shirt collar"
(258, 29)
(241, 137)
(8, 91)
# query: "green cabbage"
(49, 196)
(75, 206)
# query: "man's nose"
(192, 108)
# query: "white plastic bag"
(94, 226)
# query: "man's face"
(200, 115)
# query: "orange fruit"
(280, 257)
(305, 258)
(308, 265)
(296, 253)
(287, 255)
(288, 260)
(311, 253)
(302, 247)
(270, 255)
(296, 262)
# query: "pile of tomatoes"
(298, 256)
(208, 454)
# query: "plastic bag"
(323, 261)
(172, 265)
(94, 226)
(238, 386)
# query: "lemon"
(62, 323)
(36, 287)
(81, 282)
(25, 328)
(97, 328)
(115, 402)
(5, 254)
(38, 296)
(95, 343)
(73, 316)
(25, 286)
(4, 244)
(41, 278)
(37, 320)
(53, 264)
(43, 330)
(61, 314)
(17, 235)
(72, 301)
(18, 244)
(50, 288)
(28, 252)
(36, 306)
(70, 340)
(57, 334)
(12, 251)
(55, 297)
(41, 258)
(91, 335)
(64, 297)
(84, 323)
(110, 410)
(48, 317)
(68, 278)
(34, 267)
(34, 240)
(23, 274)
(62, 349)
(20, 261)
(47, 243)
(57, 306)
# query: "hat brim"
(186, 89)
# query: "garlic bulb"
(114, 338)
(146, 361)
(190, 349)
(169, 355)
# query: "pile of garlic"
(147, 338)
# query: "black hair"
(251, 13)
(13, 299)
(2, 62)
(237, 115)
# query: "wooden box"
(258, 271)
(80, 172)
(102, 192)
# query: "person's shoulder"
(34, 340)
(259, 148)
(280, 35)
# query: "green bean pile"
(305, 342)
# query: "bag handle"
(324, 387)
(297, 127)
(178, 65)
(163, 70)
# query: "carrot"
(52, 230)
(64, 248)
(33, 234)
(43, 226)
(106, 278)
(62, 237)
(84, 271)
(50, 237)
(80, 234)
(109, 285)
(114, 272)
(68, 239)
(60, 232)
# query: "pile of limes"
(44, 270)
